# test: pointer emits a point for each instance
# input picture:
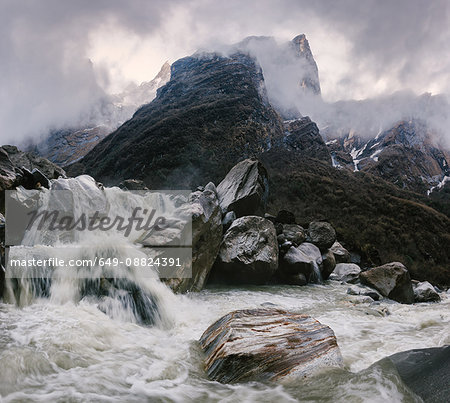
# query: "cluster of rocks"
(391, 280)
(259, 248)
(18, 168)
(236, 242)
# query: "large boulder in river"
(341, 254)
(321, 234)
(392, 280)
(304, 259)
(248, 254)
(245, 189)
(425, 371)
(268, 345)
(425, 292)
(206, 237)
(346, 272)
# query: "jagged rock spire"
(310, 79)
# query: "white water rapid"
(74, 346)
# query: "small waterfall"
(123, 290)
(316, 275)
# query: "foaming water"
(126, 292)
(75, 352)
(74, 346)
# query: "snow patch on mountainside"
(439, 185)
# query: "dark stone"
(285, 217)
(40, 179)
(7, 172)
(279, 228)
(341, 254)
(328, 264)
(321, 234)
(248, 253)
(294, 233)
(346, 272)
(425, 371)
(425, 292)
(206, 238)
(301, 260)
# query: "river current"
(65, 349)
(74, 353)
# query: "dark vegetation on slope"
(371, 216)
(212, 114)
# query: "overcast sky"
(58, 57)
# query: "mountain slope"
(408, 155)
(212, 113)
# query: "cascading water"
(83, 342)
(122, 291)
(316, 275)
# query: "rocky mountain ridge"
(406, 155)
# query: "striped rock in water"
(268, 345)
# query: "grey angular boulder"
(425, 292)
(304, 259)
(346, 272)
(392, 280)
(248, 253)
(268, 345)
(321, 234)
(341, 254)
(245, 189)
(206, 237)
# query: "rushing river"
(74, 352)
(65, 349)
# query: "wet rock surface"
(248, 253)
(425, 371)
(346, 272)
(268, 345)
(425, 292)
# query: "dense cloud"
(362, 48)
